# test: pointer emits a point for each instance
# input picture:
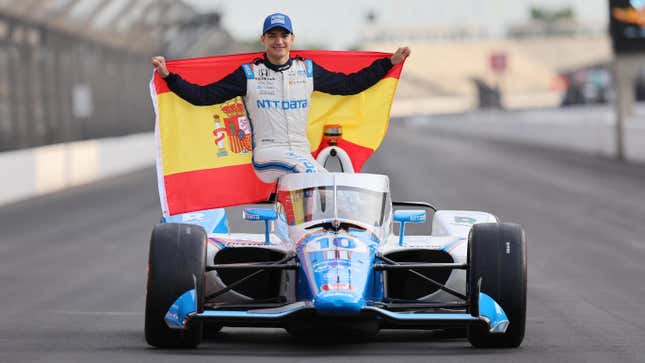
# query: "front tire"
(497, 256)
(176, 264)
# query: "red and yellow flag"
(204, 152)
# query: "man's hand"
(400, 55)
(160, 66)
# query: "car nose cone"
(334, 303)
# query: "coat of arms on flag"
(235, 128)
(238, 128)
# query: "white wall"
(30, 172)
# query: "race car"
(330, 262)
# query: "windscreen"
(318, 203)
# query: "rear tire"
(497, 255)
(176, 264)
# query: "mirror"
(259, 214)
(410, 216)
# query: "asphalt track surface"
(73, 264)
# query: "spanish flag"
(204, 152)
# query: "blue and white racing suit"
(277, 100)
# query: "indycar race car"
(329, 261)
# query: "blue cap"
(277, 20)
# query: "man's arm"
(341, 84)
(223, 90)
(336, 83)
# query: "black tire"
(497, 256)
(176, 264)
(211, 330)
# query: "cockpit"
(363, 198)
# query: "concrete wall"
(30, 172)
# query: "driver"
(276, 90)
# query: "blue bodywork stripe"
(212, 220)
(424, 316)
(222, 226)
(452, 244)
(248, 71)
(251, 314)
(274, 165)
(179, 310)
(490, 310)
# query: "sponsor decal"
(322, 267)
(338, 286)
(282, 104)
(302, 160)
(337, 244)
(266, 86)
(172, 316)
(245, 243)
(230, 242)
(328, 264)
(277, 19)
(193, 217)
(418, 218)
(264, 74)
(341, 293)
(465, 221)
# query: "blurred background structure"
(76, 69)
(551, 60)
(79, 69)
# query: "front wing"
(184, 309)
